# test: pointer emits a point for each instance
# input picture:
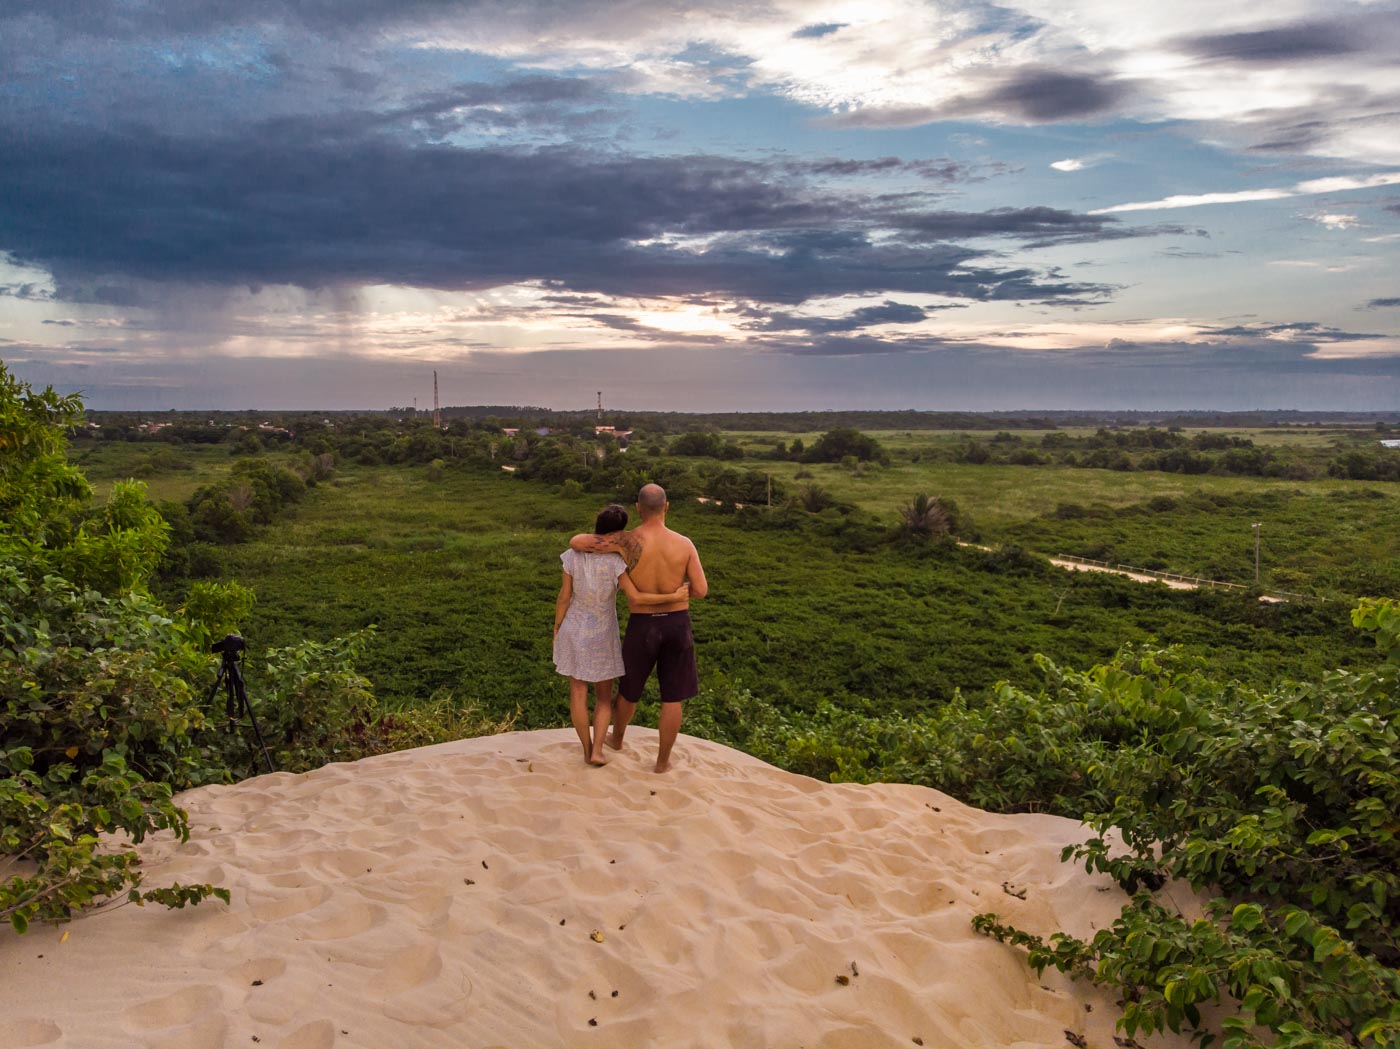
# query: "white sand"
(447, 897)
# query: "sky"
(707, 206)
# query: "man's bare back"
(666, 560)
(658, 561)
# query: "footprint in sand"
(274, 907)
(192, 1018)
(348, 921)
(26, 1034)
(259, 969)
(182, 1007)
(319, 1034)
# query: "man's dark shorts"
(661, 640)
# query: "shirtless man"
(659, 561)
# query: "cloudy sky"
(711, 205)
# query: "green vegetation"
(1280, 804)
(458, 577)
(848, 637)
(102, 707)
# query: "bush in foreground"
(102, 691)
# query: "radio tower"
(600, 405)
(437, 409)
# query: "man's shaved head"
(651, 500)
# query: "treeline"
(1171, 451)
(691, 466)
(127, 425)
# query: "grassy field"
(460, 575)
(169, 472)
(1328, 535)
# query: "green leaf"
(1246, 916)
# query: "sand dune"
(498, 892)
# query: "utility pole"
(600, 407)
(1256, 551)
(437, 409)
(770, 491)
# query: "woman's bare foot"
(597, 759)
(663, 766)
(612, 740)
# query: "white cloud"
(1335, 221)
(1302, 189)
(1313, 264)
(1340, 183)
(1191, 200)
(1080, 163)
(922, 56)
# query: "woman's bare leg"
(578, 713)
(602, 716)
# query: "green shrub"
(310, 700)
(102, 699)
(1281, 805)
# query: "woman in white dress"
(587, 644)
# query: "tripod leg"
(230, 711)
(236, 683)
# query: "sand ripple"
(448, 897)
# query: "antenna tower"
(437, 408)
(600, 405)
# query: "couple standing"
(659, 571)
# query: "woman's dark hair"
(611, 518)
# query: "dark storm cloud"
(937, 169)
(1042, 95)
(1378, 304)
(1033, 94)
(888, 312)
(1279, 45)
(111, 214)
(108, 18)
(1034, 223)
(34, 292)
(1300, 331)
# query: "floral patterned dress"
(588, 646)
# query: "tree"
(925, 517)
(835, 445)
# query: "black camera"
(236, 703)
(231, 645)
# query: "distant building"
(510, 431)
(1390, 444)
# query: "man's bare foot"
(663, 766)
(613, 740)
(586, 754)
(597, 759)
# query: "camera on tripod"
(236, 703)
(231, 645)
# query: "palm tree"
(813, 498)
(926, 516)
